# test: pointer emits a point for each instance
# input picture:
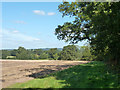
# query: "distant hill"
(50, 48)
(33, 49)
(7, 49)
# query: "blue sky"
(31, 25)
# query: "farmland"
(16, 71)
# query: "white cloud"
(51, 13)
(39, 33)
(16, 35)
(36, 39)
(39, 12)
(15, 31)
(20, 22)
(14, 39)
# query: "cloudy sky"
(31, 25)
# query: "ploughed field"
(15, 71)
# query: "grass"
(90, 75)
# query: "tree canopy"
(98, 22)
(69, 52)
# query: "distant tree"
(0, 54)
(86, 54)
(38, 51)
(22, 53)
(33, 56)
(55, 56)
(5, 53)
(43, 56)
(70, 52)
(52, 52)
(13, 52)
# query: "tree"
(55, 56)
(44, 56)
(13, 52)
(86, 54)
(69, 52)
(5, 53)
(97, 22)
(22, 53)
(38, 51)
(52, 52)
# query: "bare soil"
(17, 71)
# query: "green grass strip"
(91, 75)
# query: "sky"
(32, 25)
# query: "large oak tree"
(98, 22)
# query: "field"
(90, 75)
(17, 71)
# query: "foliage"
(13, 52)
(22, 53)
(86, 54)
(69, 52)
(38, 51)
(5, 53)
(91, 75)
(55, 56)
(98, 22)
(52, 52)
(43, 56)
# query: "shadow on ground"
(83, 76)
(46, 69)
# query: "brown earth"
(16, 71)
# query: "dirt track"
(15, 71)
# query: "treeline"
(70, 52)
(96, 22)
